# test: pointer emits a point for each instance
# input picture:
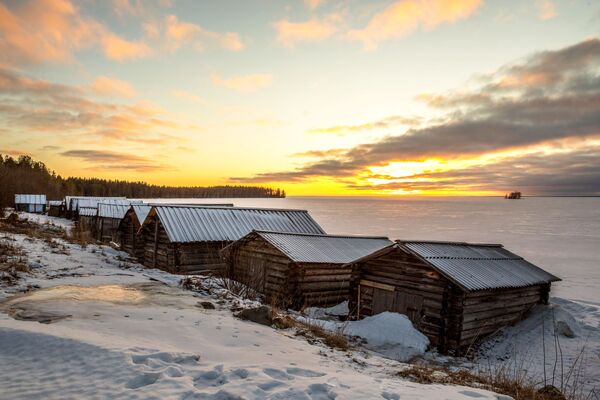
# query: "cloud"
(546, 9)
(172, 34)
(38, 31)
(384, 123)
(289, 33)
(118, 49)
(403, 17)
(106, 86)
(184, 95)
(313, 4)
(67, 113)
(111, 160)
(494, 118)
(243, 83)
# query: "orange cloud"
(313, 4)
(175, 34)
(546, 9)
(40, 31)
(289, 33)
(108, 86)
(245, 83)
(403, 17)
(119, 49)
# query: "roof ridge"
(321, 235)
(457, 243)
(229, 208)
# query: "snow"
(339, 310)
(392, 335)
(522, 346)
(114, 329)
(42, 219)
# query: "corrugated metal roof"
(88, 211)
(115, 210)
(55, 203)
(30, 199)
(479, 266)
(333, 249)
(74, 202)
(216, 224)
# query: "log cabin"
(188, 239)
(108, 219)
(455, 293)
(86, 221)
(128, 231)
(55, 208)
(298, 269)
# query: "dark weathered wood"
(450, 317)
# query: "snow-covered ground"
(118, 331)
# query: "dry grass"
(12, 262)
(334, 339)
(499, 382)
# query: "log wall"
(129, 239)
(106, 229)
(258, 264)
(402, 283)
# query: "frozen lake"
(559, 234)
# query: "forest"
(27, 176)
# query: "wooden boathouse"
(108, 220)
(188, 239)
(298, 269)
(455, 293)
(128, 233)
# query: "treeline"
(26, 176)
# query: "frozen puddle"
(60, 302)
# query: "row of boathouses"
(453, 292)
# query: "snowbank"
(339, 310)
(564, 334)
(42, 219)
(389, 334)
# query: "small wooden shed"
(87, 219)
(128, 232)
(298, 269)
(108, 219)
(32, 203)
(188, 239)
(55, 208)
(455, 293)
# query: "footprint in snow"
(145, 379)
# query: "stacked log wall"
(323, 285)
(200, 258)
(129, 239)
(159, 252)
(106, 229)
(398, 272)
(486, 311)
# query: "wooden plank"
(364, 282)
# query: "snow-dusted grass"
(122, 331)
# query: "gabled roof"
(30, 199)
(323, 249)
(74, 202)
(475, 266)
(113, 210)
(88, 211)
(223, 224)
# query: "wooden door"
(410, 305)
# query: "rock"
(564, 329)
(551, 392)
(207, 305)
(260, 315)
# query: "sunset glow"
(399, 97)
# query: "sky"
(318, 97)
